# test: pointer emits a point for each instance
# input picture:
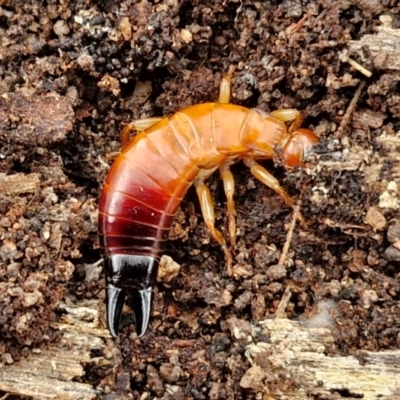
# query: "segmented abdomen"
(151, 176)
(142, 193)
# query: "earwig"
(151, 176)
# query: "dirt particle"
(375, 219)
(61, 28)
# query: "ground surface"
(72, 73)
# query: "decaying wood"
(297, 354)
(383, 46)
(18, 183)
(52, 373)
(291, 352)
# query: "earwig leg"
(225, 87)
(138, 125)
(289, 114)
(207, 209)
(269, 180)
(229, 188)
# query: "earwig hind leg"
(207, 209)
(229, 188)
(269, 180)
(225, 87)
(289, 114)
(137, 125)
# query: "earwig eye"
(297, 146)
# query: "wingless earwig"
(150, 177)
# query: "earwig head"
(298, 144)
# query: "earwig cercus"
(150, 177)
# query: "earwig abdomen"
(149, 179)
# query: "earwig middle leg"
(289, 114)
(269, 180)
(137, 125)
(207, 209)
(225, 87)
(229, 189)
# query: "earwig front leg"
(289, 114)
(225, 87)
(269, 180)
(229, 188)
(207, 209)
(138, 125)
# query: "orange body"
(151, 176)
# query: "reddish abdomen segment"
(140, 197)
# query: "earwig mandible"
(150, 177)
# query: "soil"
(73, 73)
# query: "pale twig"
(280, 311)
(350, 110)
(345, 58)
(289, 236)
